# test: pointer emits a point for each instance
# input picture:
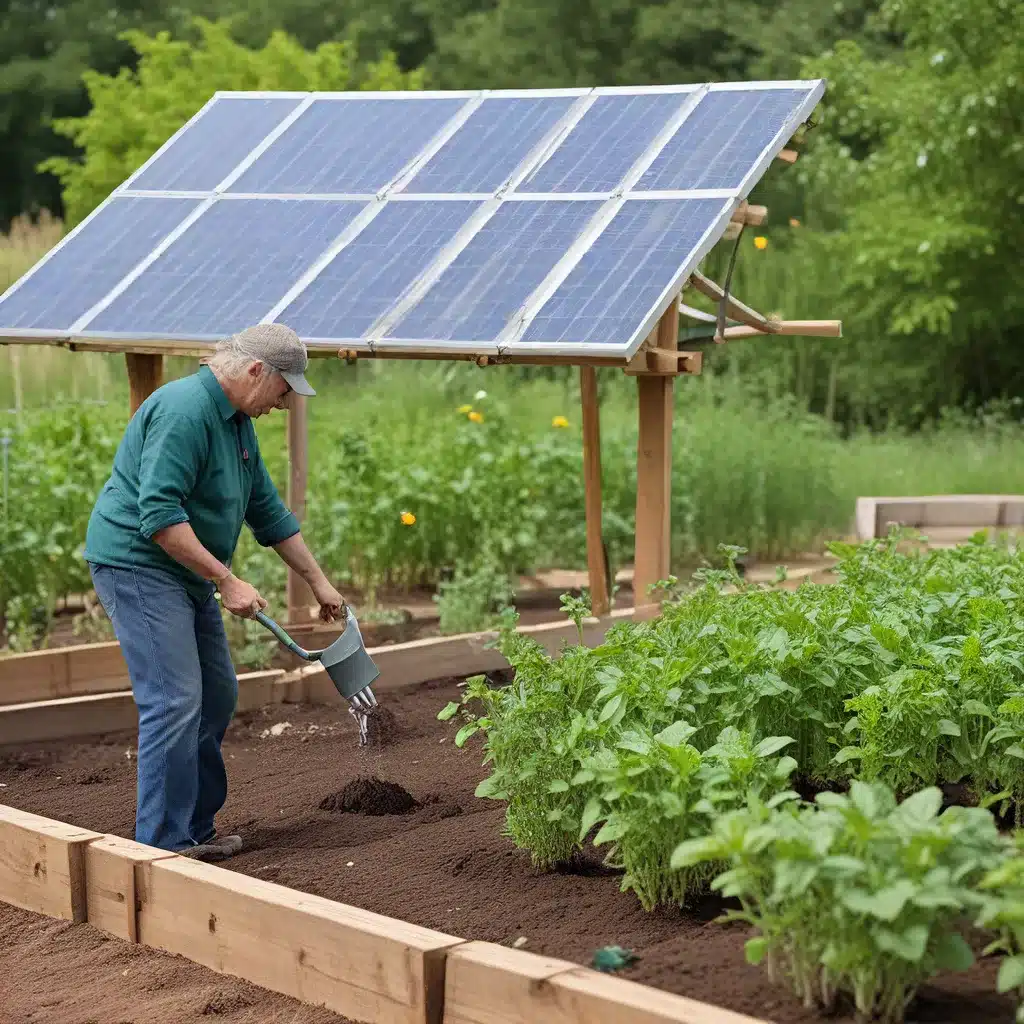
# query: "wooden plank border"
(401, 666)
(366, 966)
(490, 984)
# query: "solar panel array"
(547, 222)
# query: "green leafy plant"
(855, 894)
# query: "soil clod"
(370, 795)
(381, 728)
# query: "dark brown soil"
(444, 863)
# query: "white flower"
(922, 159)
(479, 396)
(924, 247)
(938, 58)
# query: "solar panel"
(612, 135)
(210, 147)
(491, 144)
(368, 276)
(352, 145)
(618, 281)
(91, 261)
(719, 143)
(542, 222)
(488, 281)
(225, 271)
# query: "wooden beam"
(663, 362)
(805, 328)
(145, 374)
(111, 865)
(365, 966)
(788, 156)
(300, 597)
(654, 467)
(747, 214)
(596, 567)
(733, 307)
(42, 864)
(401, 666)
(98, 714)
(490, 984)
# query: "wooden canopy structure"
(655, 364)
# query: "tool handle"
(286, 639)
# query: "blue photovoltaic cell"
(609, 139)
(368, 276)
(495, 139)
(617, 283)
(92, 262)
(490, 279)
(721, 140)
(352, 145)
(228, 269)
(215, 144)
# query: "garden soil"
(308, 802)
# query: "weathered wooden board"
(490, 984)
(42, 864)
(111, 864)
(362, 965)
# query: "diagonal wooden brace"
(736, 309)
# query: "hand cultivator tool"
(351, 669)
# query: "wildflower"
(559, 421)
(793, 222)
(761, 242)
(463, 409)
(480, 396)
(476, 417)
(408, 519)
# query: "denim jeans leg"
(220, 695)
(154, 621)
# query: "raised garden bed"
(442, 864)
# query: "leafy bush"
(854, 894)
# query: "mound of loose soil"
(370, 795)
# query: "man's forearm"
(181, 543)
(296, 555)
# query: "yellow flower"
(559, 421)
(476, 417)
(463, 409)
(408, 518)
(793, 222)
(761, 242)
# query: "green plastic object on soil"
(613, 958)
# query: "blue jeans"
(186, 690)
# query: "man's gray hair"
(229, 358)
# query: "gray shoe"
(217, 848)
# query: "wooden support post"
(654, 470)
(597, 569)
(300, 597)
(145, 375)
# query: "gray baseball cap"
(281, 349)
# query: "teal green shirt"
(186, 457)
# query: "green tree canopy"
(134, 112)
(920, 166)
